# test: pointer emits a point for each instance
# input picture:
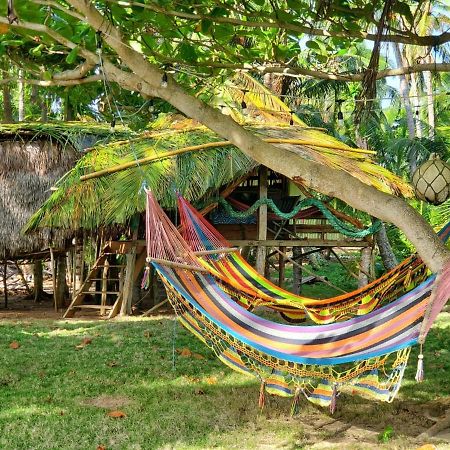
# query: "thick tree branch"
(404, 38)
(53, 82)
(147, 79)
(75, 74)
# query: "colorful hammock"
(233, 272)
(367, 353)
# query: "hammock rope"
(339, 225)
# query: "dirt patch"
(108, 401)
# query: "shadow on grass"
(47, 386)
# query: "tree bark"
(146, 79)
(404, 93)
(365, 266)
(297, 272)
(428, 77)
(386, 253)
(38, 280)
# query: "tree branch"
(54, 82)
(147, 80)
(405, 38)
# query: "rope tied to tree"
(337, 224)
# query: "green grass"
(49, 388)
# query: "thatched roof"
(33, 157)
(115, 198)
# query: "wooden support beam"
(297, 243)
(262, 220)
(281, 267)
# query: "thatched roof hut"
(114, 199)
(34, 156)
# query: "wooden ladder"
(99, 272)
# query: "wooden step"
(108, 307)
(111, 265)
(100, 292)
(107, 278)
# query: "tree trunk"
(261, 251)
(7, 105)
(21, 102)
(386, 253)
(125, 309)
(145, 78)
(365, 266)
(61, 285)
(404, 92)
(38, 280)
(428, 77)
(416, 102)
(68, 109)
(297, 272)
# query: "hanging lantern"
(431, 180)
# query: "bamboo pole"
(193, 148)
(164, 262)
(217, 251)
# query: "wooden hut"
(34, 156)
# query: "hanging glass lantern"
(431, 180)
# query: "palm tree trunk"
(404, 92)
(21, 97)
(428, 77)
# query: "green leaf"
(403, 9)
(47, 75)
(187, 52)
(313, 45)
(205, 26)
(223, 31)
(72, 56)
(36, 51)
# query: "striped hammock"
(233, 272)
(368, 354)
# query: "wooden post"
(127, 298)
(38, 280)
(262, 221)
(281, 267)
(297, 270)
(5, 285)
(61, 286)
(74, 269)
(53, 269)
(104, 287)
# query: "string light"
(164, 80)
(99, 42)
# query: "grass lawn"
(57, 388)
